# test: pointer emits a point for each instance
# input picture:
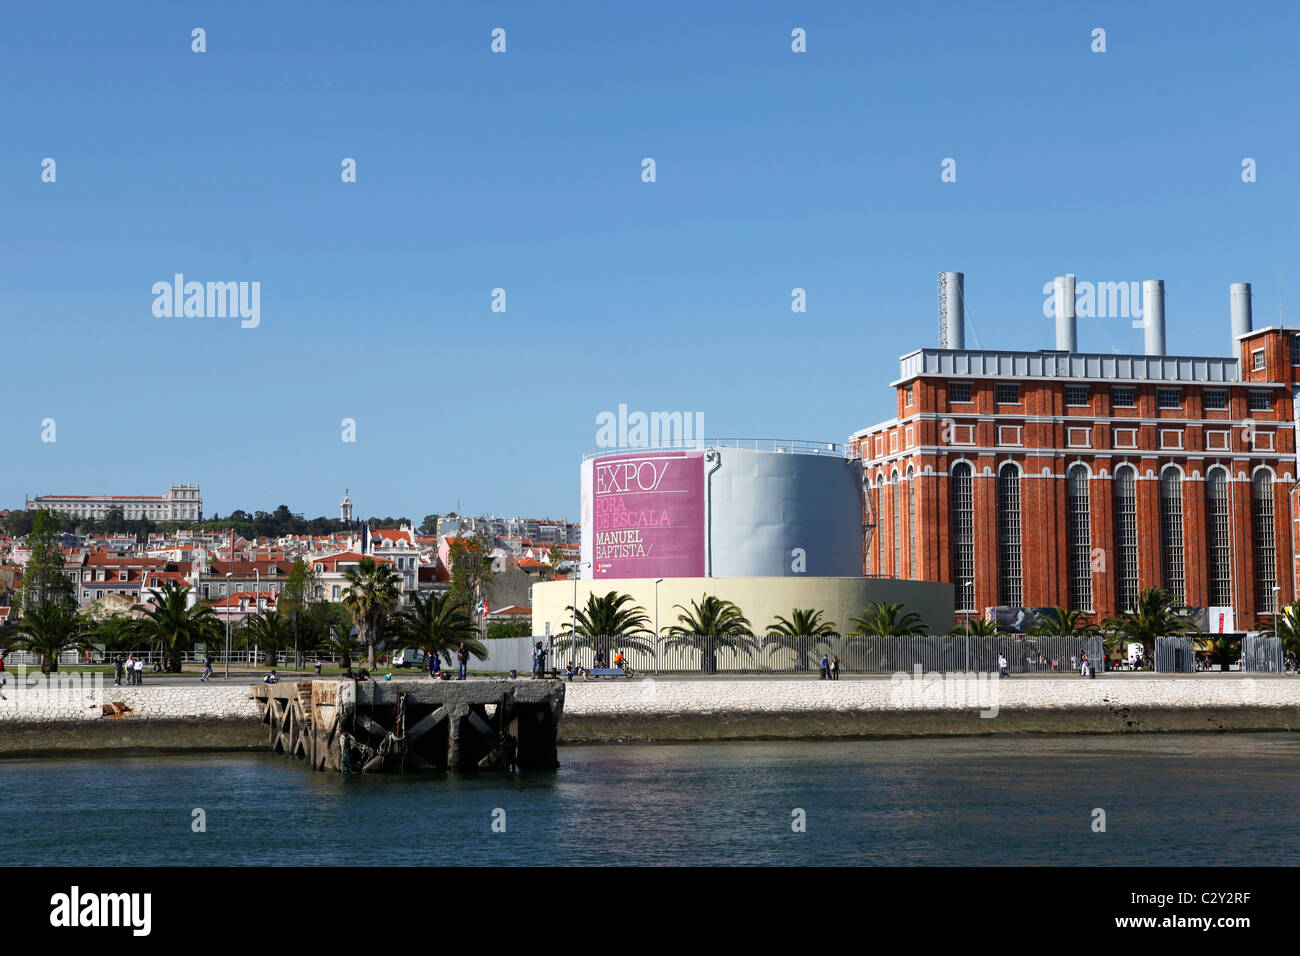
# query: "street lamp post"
(962, 582)
(227, 603)
(658, 581)
(573, 629)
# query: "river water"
(1168, 799)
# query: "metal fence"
(1262, 654)
(779, 654)
(1175, 655)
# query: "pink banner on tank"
(649, 515)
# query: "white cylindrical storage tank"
(723, 511)
(1240, 311)
(952, 310)
(1153, 312)
(1067, 336)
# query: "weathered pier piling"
(395, 726)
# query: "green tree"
(503, 629)
(48, 630)
(471, 568)
(269, 632)
(1286, 625)
(793, 634)
(975, 627)
(554, 558)
(709, 626)
(374, 590)
(428, 526)
(605, 621)
(1058, 622)
(345, 644)
(438, 624)
(44, 581)
(882, 619)
(175, 627)
(1153, 617)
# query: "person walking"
(826, 667)
(462, 661)
(1002, 664)
(1086, 668)
(117, 671)
(207, 668)
(835, 667)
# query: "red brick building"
(1064, 478)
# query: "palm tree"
(437, 625)
(888, 620)
(711, 625)
(373, 591)
(1286, 625)
(48, 630)
(792, 634)
(1153, 617)
(1058, 622)
(269, 631)
(607, 619)
(174, 626)
(345, 644)
(975, 627)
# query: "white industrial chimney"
(952, 310)
(1239, 309)
(1067, 330)
(1153, 313)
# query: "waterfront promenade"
(180, 713)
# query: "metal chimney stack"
(1067, 329)
(1239, 309)
(1153, 315)
(952, 310)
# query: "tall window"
(963, 536)
(880, 525)
(1261, 512)
(1080, 531)
(898, 530)
(911, 523)
(1009, 585)
(1126, 543)
(1218, 524)
(1171, 531)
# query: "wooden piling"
(415, 725)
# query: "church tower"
(345, 508)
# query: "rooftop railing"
(789, 446)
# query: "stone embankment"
(75, 719)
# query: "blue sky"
(522, 171)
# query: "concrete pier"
(415, 725)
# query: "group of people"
(132, 667)
(1085, 667)
(830, 667)
(433, 663)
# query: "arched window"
(1218, 526)
(1080, 532)
(898, 529)
(1261, 513)
(880, 524)
(1126, 537)
(963, 536)
(911, 523)
(1009, 579)
(1171, 532)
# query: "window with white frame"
(1171, 532)
(1080, 538)
(1076, 394)
(1126, 540)
(1008, 393)
(1171, 438)
(1008, 434)
(1009, 557)
(1169, 398)
(963, 535)
(1261, 513)
(959, 392)
(1218, 523)
(1257, 360)
(1260, 400)
(1078, 437)
(1216, 399)
(1123, 396)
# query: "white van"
(408, 657)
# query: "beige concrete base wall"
(761, 599)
